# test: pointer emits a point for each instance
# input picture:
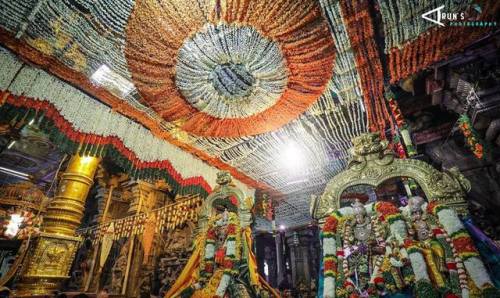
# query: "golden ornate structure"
(224, 189)
(27, 197)
(372, 164)
(54, 249)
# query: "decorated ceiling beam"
(79, 124)
(357, 31)
(413, 43)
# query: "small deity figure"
(222, 264)
(363, 247)
(421, 230)
(118, 271)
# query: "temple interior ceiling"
(249, 84)
(98, 40)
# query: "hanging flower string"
(360, 29)
(62, 133)
(402, 134)
(472, 138)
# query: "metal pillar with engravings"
(55, 248)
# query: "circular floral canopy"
(229, 68)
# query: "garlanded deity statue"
(222, 263)
(421, 227)
(380, 250)
(363, 247)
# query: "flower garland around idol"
(471, 136)
(348, 249)
(391, 215)
(232, 256)
(330, 259)
(463, 248)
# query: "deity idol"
(222, 264)
(363, 247)
(421, 227)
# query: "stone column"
(54, 249)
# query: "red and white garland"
(462, 245)
(228, 255)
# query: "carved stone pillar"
(54, 250)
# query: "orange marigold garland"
(471, 136)
(362, 37)
(436, 44)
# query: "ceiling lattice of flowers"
(243, 82)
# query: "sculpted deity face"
(415, 203)
(360, 218)
(223, 178)
(359, 212)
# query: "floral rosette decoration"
(229, 68)
(471, 136)
(464, 250)
(213, 282)
(330, 260)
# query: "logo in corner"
(438, 15)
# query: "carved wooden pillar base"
(53, 251)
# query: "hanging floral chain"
(463, 247)
(433, 45)
(362, 38)
(211, 283)
(167, 218)
(472, 138)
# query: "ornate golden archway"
(225, 189)
(372, 164)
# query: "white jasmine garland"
(329, 246)
(230, 247)
(329, 287)
(224, 283)
(209, 251)
(418, 266)
(449, 220)
(398, 230)
(477, 272)
(87, 115)
(346, 211)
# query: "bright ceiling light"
(292, 157)
(112, 81)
